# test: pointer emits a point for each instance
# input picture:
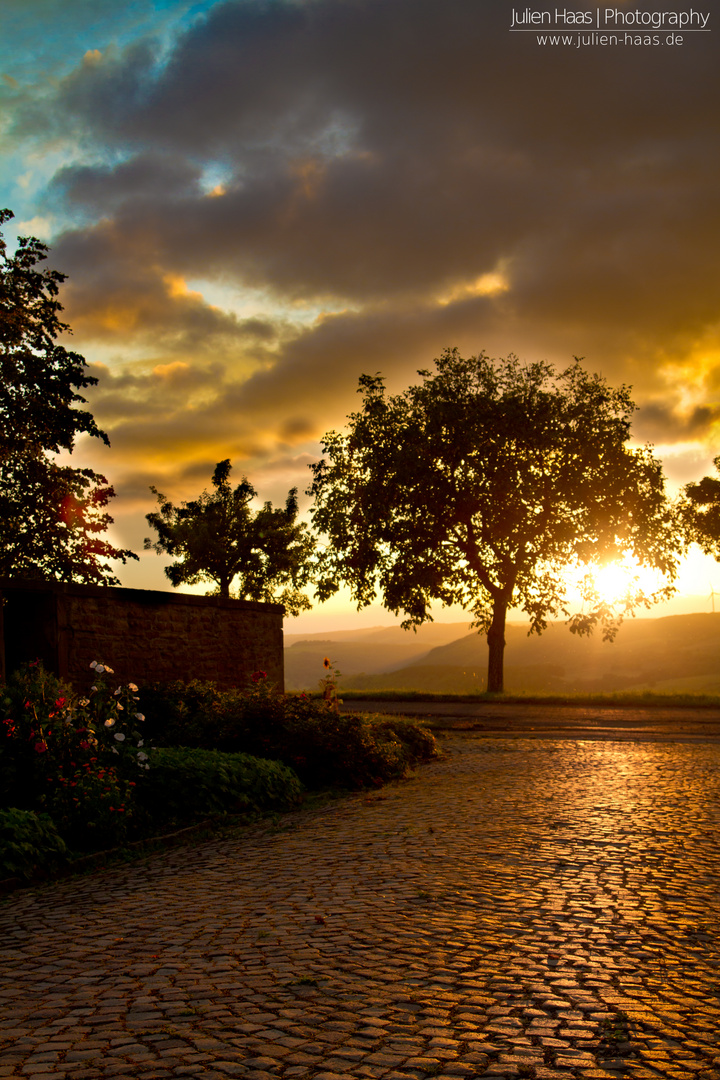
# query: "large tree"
(480, 486)
(51, 516)
(252, 555)
(699, 506)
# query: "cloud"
(409, 172)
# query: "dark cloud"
(100, 189)
(658, 422)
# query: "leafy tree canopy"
(51, 516)
(480, 486)
(252, 555)
(39, 379)
(700, 513)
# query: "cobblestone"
(538, 908)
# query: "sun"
(613, 581)
(620, 582)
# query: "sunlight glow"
(616, 583)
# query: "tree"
(699, 509)
(480, 486)
(51, 516)
(265, 555)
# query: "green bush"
(183, 784)
(184, 714)
(28, 842)
(419, 743)
(324, 748)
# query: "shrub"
(184, 783)
(324, 748)
(184, 714)
(92, 805)
(28, 842)
(419, 743)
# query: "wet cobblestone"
(522, 908)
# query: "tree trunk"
(496, 646)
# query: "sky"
(257, 201)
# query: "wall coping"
(150, 597)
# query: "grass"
(619, 700)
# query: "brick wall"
(143, 635)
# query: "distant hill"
(355, 653)
(675, 653)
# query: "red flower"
(40, 747)
(258, 676)
(60, 702)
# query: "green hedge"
(182, 784)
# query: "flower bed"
(80, 772)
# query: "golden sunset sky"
(256, 201)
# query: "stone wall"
(145, 636)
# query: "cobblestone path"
(522, 908)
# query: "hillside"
(675, 653)
(364, 652)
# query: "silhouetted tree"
(51, 516)
(480, 487)
(700, 513)
(253, 555)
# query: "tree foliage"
(253, 555)
(700, 512)
(51, 516)
(480, 486)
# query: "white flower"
(118, 691)
(93, 663)
(139, 716)
(119, 706)
(99, 668)
(109, 670)
(84, 701)
(142, 756)
(147, 766)
(110, 722)
(141, 742)
(114, 749)
(93, 687)
(119, 736)
(132, 687)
